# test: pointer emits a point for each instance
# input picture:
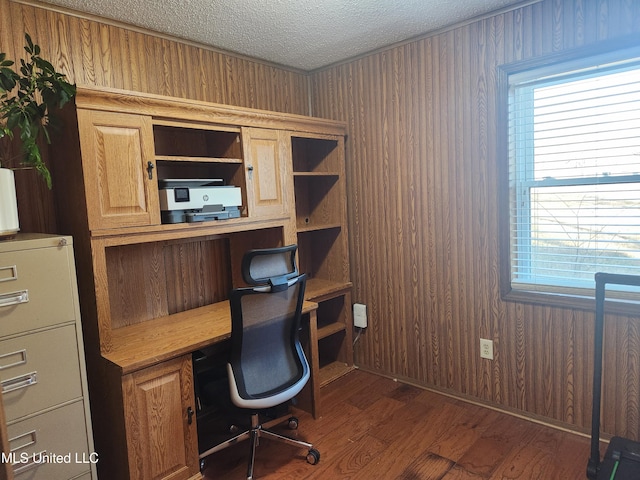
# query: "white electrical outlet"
(360, 315)
(486, 348)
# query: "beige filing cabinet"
(42, 366)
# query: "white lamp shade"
(8, 204)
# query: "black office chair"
(267, 365)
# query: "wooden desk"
(147, 377)
(150, 343)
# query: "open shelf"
(229, 170)
(316, 154)
(196, 141)
(318, 200)
(315, 174)
(177, 158)
(319, 289)
(331, 329)
(323, 254)
(333, 371)
(319, 227)
(331, 312)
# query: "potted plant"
(39, 90)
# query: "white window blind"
(574, 174)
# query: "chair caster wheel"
(293, 423)
(313, 456)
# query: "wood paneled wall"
(91, 52)
(422, 191)
(421, 166)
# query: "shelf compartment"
(153, 279)
(174, 158)
(318, 200)
(333, 361)
(317, 228)
(332, 316)
(196, 141)
(316, 174)
(168, 276)
(319, 289)
(323, 255)
(330, 329)
(231, 173)
(316, 154)
(333, 371)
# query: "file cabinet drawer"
(52, 445)
(35, 285)
(39, 370)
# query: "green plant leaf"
(29, 46)
(12, 120)
(43, 64)
(40, 89)
(7, 81)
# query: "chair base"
(254, 434)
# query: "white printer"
(197, 200)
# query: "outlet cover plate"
(359, 315)
(486, 348)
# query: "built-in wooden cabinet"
(119, 190)
(153, 292)
(266, 152)
(160, 420)
(321, 227)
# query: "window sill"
(575, 302)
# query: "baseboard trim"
(538, 419)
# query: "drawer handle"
(28, 439)
(21, 361)
(36, 460)
(13, 273)
(14, 298)
(16, 383)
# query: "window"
(573, 154)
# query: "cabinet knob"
(150, 167)
(190, 414)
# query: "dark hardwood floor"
(375, 428)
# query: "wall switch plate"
(359, 315)
(486, 348)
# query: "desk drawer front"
(35, 289)
(52, 445)
(39, 370)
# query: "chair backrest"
(269, 265)
(266, 355)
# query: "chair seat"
(267, 401)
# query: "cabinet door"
(267, 163)
(162, 438)
(117, 150)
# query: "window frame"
(582, 298)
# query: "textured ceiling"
(304, 34)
